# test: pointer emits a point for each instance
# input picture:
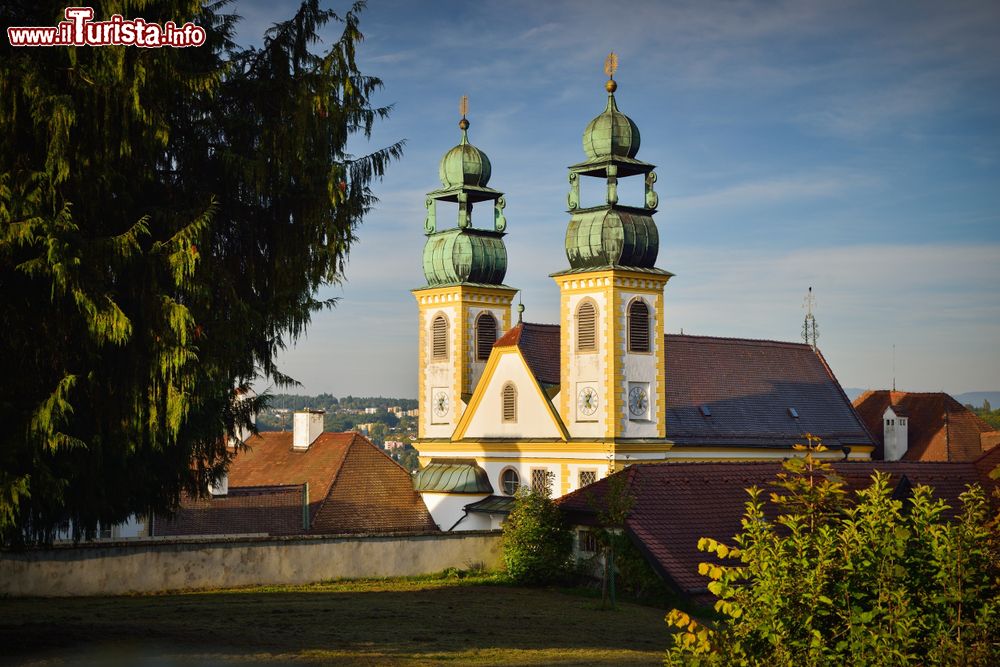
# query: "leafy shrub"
(831, 582)
(537, 543)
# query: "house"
(305, 481)
(916, 426)
(505, 404)
(674, 505)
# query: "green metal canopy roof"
(492, 505)
(452, 476)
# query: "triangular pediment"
(535, 415)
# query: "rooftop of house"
(729, 391)
(676, 504)
(353, 487)
(939, 427)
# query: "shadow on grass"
(423, 624)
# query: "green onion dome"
(611, 133)
(605, 237)
(465, 256)
(464, 164)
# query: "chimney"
(220, 487)
(306, 427)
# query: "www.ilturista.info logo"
(79, 30)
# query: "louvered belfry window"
(509, 403)
(439, 338)
(486, 335)
(586, 327)
(638, 326)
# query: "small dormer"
(895, 433)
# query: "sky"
(853, 147)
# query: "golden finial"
(610, 67)
(463, 108)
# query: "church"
(505, 404)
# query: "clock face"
(586, 401)
(638, 402)
(440, 403)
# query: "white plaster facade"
(533, 417)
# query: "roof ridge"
(751, 341)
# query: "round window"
(509, 481)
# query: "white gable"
(535, 417)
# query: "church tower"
(611, 297)
(464, 307)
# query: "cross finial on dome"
(463, 108)
(610, 67)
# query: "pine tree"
(166, 218)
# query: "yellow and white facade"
(562, 406)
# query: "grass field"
(395, 622)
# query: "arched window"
(509, 403)
(586, 327)
(509, 481)
(638, 326)
(439, 338)
(486, 335)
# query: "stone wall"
(114, 568)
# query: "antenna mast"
(810, 332)
(894, 367)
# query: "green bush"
(537, 543)
(833, 582)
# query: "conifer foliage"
(166, 218)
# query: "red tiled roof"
(939, 427)
(372, 494)
(354, 487)
(676, 504)
(747, 385)
(539, 344)
(270, 460)
(270, 510)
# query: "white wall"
(533, 417)
(146, 566)
(447, 508)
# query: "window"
(586, 327)
(540, 481)
(638, 326)
(587, 477)
(509, 481)
(486, 335)
(509, 403)
(587, 541)
(439, 338)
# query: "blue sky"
(849, 146)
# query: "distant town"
(390, 423)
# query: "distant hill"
(975, 398)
